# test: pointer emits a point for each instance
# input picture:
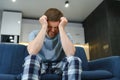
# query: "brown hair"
(53, 14)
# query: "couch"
(12, 58)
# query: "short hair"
(53, 14)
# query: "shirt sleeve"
(32, 35)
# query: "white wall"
(28, 25)
(75, 29)
(77, 32)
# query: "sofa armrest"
(111, 64)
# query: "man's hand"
(63, 22)
(43, 21)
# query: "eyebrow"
(54, 27)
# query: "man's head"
(53, 19)
(53, 14)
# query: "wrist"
(44, 27)
(61, 27)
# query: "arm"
(67, 45)
(35, 45)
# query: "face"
(53, 28)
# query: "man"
(51, 42)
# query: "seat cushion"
(43, 77)
(97, 74)
(7, 77)
(50, 77)
(115, 78)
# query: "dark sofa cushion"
(51, 77)
(81, 54)
(96, 74)
(12, 58)
(7, 77)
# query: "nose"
(52, 29)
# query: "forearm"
(67, 45)
(35, 46)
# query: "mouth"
(51, 34)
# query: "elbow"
(31, 50)
(74, 50)
(71, 52)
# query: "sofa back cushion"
(12, 58)
(80, 52)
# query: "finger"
(45, 17)
(61, 18)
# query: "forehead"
(53, 23)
